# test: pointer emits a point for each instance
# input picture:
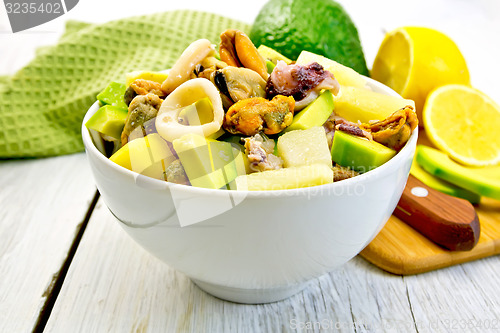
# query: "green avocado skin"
(318, 26)
(440, 165)
(442, 185)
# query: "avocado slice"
(442, 185)
(359, 153)
(482, 181)
(315, 114)
(108, 120)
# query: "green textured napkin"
(42, 105)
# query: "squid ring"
(192, 55)
(167, 120)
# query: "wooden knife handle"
(446, 220)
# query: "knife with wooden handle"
(448, 221)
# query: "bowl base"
(250, 296)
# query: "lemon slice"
(464, 122)
(415, 60)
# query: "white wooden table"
(67, 266)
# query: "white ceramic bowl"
(252, 247)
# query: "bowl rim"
(393, 163)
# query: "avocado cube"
(113, 95)
(148, 155)
(208, 163)
(359, 153)
(108, 120)
(240, 158)
(223, 159)
(241, 163)
(315, 114)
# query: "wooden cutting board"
(400, 249)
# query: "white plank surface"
(114, 285)
(464, 298)
(43, 202)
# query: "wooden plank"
(115, 285)
(43, 203)
(464, 298)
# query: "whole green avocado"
(318, 26)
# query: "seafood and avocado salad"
(239, 117)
